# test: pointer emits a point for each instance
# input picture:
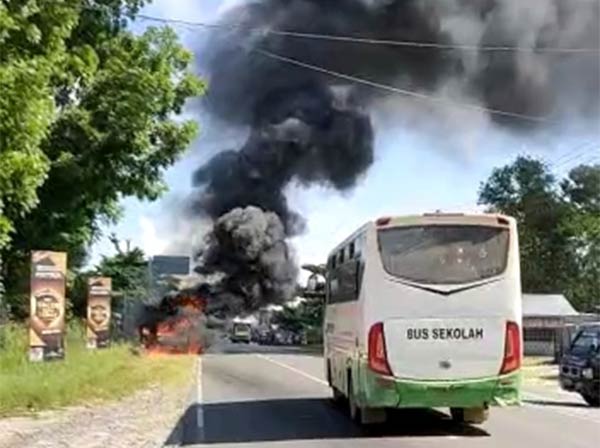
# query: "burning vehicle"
(175, 326)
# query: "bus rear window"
(241, 328)
(444, 254)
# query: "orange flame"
(179, 334)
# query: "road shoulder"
(144, 419)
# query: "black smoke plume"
(311, 128)
(248, 248)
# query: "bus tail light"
(377, 352)
(512, 349)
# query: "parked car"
(580, 366)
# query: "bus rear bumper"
(397, 393)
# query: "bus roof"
(494, 219)
(436, 218)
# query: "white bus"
(425, 311)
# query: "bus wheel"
(353, 408)
(363, 416)
(336, 396)
(472, 416)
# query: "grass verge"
(84, 376)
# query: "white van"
(425, 311)
(241, 332)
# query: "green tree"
(289, 318)
(581, 190)
(32, 44)
(306, 317)
(111, 133)
(128, 269)
(558, 226)
(308, 314)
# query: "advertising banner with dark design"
(47, 305)
(98, 312)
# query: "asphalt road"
(251, 397)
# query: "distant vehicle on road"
(241, 332)
(580, 367)
(264, 337)
(425, 311)
(282, 337)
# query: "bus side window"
(345, 274)
(353, 274)
(358, 246)
(338, 295)
(335, 278)
(360, 262)
(330, 266)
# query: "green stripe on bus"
(376, 391)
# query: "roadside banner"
(98, 312)
(47, 306)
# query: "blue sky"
(416, 170)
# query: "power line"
(572, 155)
(377, 85)
(373, 84)
(365, 40)
(592, 160)
(582, 161)
(585, 145)
(375, 41)
(576, 156)
(541, 202)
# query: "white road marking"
(527, 394)
(320, 381)
(293, 369)
(199, 398)
(550, 407)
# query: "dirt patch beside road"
(144, 419)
